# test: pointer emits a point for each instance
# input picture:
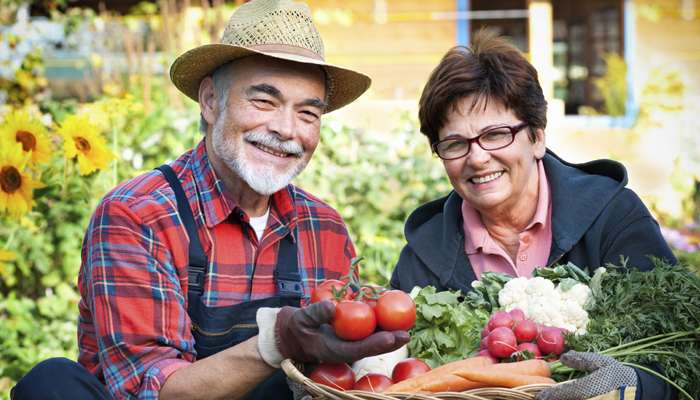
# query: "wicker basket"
(319, 391)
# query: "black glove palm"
(304, 335)
(606, 375)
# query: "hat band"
(286, 49)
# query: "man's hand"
(606, 375)
(304, 335)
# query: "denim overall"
(218, 328)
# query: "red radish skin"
(551, 341)
(502, 342)
(517, 315)
(485, 332)
(531, 347)
(500, 319)
(484, 343)
(525, 331)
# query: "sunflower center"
(10, 179)
(27, 139)
(82, 144)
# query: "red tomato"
(395, 311)
(373, 383)
(338, 376)
(353, 320)
(324, 291)
(409, 368)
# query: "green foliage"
(665, 304)
(374, 181)
(447, 328)
(613, 85)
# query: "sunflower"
(20, 127)
(16, 186)
(81, 139)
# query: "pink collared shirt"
(485, 254)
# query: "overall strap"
(197, 264)
(287, 277)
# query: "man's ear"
(208, 104)
(540, 146)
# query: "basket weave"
(319, 391)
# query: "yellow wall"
(398, 47)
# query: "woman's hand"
(606, 375)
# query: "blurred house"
(621, 76)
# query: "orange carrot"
(526, 367)
(495, 377)
(417, 383)
(450, 383)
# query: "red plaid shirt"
(134, 330)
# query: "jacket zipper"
(197, 328)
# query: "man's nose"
(283, 123)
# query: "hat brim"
(188, 70)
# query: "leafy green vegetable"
(647, 318)
(447, 328)
(485, 293)
(563, 272)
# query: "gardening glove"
(606, 375)
(304, 335)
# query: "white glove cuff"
(267, 346)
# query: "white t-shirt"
(259, 223)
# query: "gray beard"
(263, 180)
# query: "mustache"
(273, 142)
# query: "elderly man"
(192, 274)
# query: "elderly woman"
(516, 205)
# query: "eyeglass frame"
(514, 129)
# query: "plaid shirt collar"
(217, 206)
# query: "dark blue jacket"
(595, 221)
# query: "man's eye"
(310, 115)
(262, 102)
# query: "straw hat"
(274, 28)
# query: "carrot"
(417, 383)
(527, 367)
(450, 383)
(495, 377)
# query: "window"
(584, 34)
(506, 17)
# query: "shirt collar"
(218, 206)
(477, 237)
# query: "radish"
(502, 342)
(530, 347)
(525, 331)
(484, 343)
(517, 315)
(551, 341)
(485, 331)
(500, 319)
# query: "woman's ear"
(207, 100)
(539, 146)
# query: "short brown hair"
(491, 69)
